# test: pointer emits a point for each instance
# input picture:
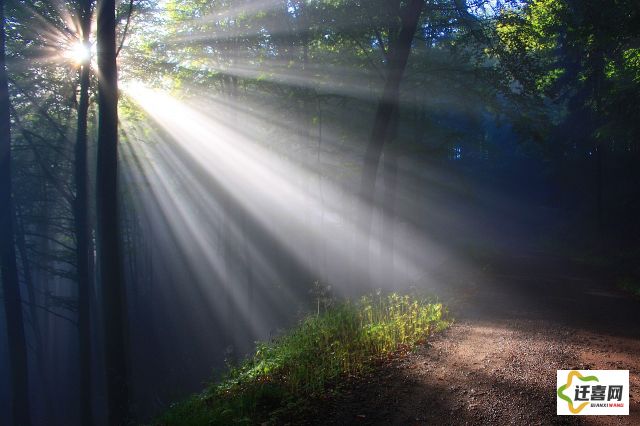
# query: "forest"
(283, 212)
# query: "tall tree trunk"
(43, 283)
(390, 173)
(397, 57)
(109, 256)
(81, 219)
(322, 249)
(8, 263)
(38, 338)
(243, 215)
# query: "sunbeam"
(79, 53)
(282, 201)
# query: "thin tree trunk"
(33, 314)
(8, 264)
(390, 168)
(322, 258)
(42, 282)
(243, 214)
(397, 57)
(21, 244)
(81, 219)
(109, 256)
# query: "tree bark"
(8, 262)
(81, 219)
(109, 256)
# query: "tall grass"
(345, 340)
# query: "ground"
(518, 320)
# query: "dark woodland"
(316, 211)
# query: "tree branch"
(126, 28)
(54, 181)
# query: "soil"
(517, 322)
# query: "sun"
(79, 53)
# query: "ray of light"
(270, 190)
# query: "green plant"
(344, 341)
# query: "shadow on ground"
(518, 320)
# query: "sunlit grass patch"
(344, 341)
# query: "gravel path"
(518, 323)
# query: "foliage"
(344, 341)
(583, 54)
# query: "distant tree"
(582, 60)
(383, 128)
(8, 264)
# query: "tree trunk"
(390, 169)
(38, 338)
(81, 219)
(8, 263)
(109, 256)
(397, 57)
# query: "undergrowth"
(344, 341)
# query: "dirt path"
(519, 322)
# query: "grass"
(346, 340)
